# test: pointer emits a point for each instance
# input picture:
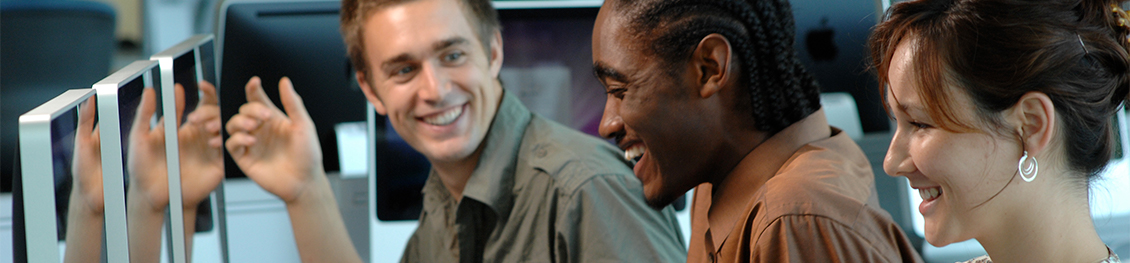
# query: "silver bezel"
(38, 173)
(172, 150)
(113, 185)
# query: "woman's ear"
(1035, 121)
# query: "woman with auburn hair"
(1003, 111)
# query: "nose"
(898, 159)
(611, 125)
(435, 85)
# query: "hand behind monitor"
(201, 156)
(280, 152)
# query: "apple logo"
(820, 43)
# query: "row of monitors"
(93, 159)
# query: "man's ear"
(495, 55)
(370, 93)
(1034, 116)
(711, 64)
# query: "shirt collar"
(733, 193)
(493, 178)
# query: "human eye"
(454, 57)
(402, 70)
(616, 91)
(920, 125)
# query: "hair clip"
(1085, 51)
(1123, 18)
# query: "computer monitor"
(190, 65)
(47, 149)
(296, 39)
(133, 150)
(831, 42)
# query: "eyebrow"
(603, 71)
(898, 104)
(446, 43)
(911, 108)
(439, 45)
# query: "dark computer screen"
(401, 173)
(62, 153)
(300, 40)
(831, 41)
(185, 74)
(129, 98)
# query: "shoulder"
(829, 177)
(814, 238)
(570, 158)
(829, 180)
(981, 259)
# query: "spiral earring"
(1028, 167)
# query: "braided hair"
(780, 90)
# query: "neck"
(1053, 225)
(455, 175)
(739, 147)
(735, 143)
(757, 152)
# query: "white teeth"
(929, 193)
(635, 151)
(444, 118)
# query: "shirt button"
(539, 150)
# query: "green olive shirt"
(542, 192)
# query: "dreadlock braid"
(780, 90)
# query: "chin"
(939, 239)
(450, 151)
(657, 199)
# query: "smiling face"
(958, 174)
(652, 115)
(430, 75)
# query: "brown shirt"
(542, 192)
(806, 194)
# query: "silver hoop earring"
(1028, 167)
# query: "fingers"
(86, 114)
(292, 102)
(209, 90)
(206, 117)
(178, 93)
(238, 144)
(215, 142)
(242, 123)
(202, 124)
(145, 111)
(255, 93)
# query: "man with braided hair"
(710, 95)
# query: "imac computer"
(78, 151)
(189, 68)
(54, 172)
(132, 131)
